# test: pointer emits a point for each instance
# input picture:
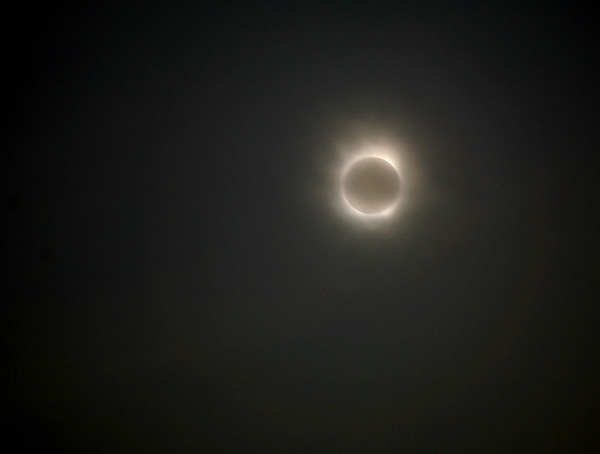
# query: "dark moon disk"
(371, 185)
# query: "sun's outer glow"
(371, 185)
(381, 152)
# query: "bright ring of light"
(381, 181)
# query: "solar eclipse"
(370, 183)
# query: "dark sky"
(178, 278)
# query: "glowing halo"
(385, 154)
(371, 185)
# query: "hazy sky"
(179, 274)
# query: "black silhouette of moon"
(371, 185)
